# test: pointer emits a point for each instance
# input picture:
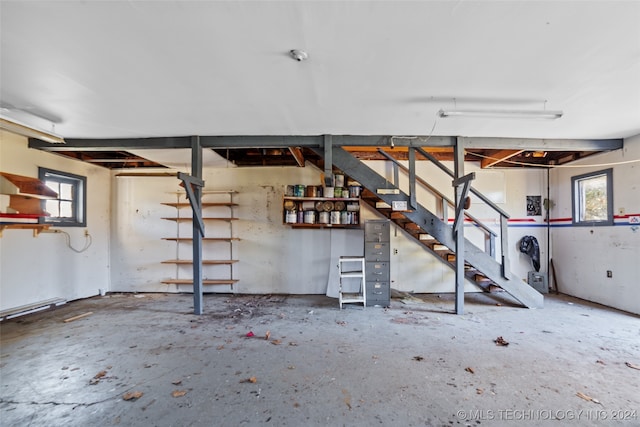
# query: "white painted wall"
(40, 268)
(582, 255)
(274, 258)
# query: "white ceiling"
(172, 68)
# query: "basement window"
(69, 209)
(592, 195)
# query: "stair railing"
(444, 202)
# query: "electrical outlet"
(609, 273)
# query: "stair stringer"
(434, 226)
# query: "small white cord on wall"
(87, 236)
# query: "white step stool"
(352, 270)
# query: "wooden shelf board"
(37, 228)
(206, 239)
(204, 204)
(303, 199)
(204, 281)
(26, 186)
(185, 219)
(207, 192)
(204, 261)
(302, 225)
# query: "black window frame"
(79, 198)
(575, 201)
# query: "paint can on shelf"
(308, 205)
(345, 217)
(290, 191)
(310, 217)
(291, 217)
(312, 191)
(335, 217)
(299, 190)
(339, 180)
(328, 192)
(323, 217)
(300, 217)
(354, 191)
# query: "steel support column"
(328, 161)
(196, 172)
(458, 153)
(412, 178)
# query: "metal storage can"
(335, 217)
(323, 217)
(311, 191)
(291, 217)
(328, 192)
(310, 217)
(344, 218)
(299, 190)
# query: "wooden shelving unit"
(330, 205)
(215, 212)
(25, 203)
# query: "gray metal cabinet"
(377, 257)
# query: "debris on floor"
(479, 391)
(97, 377)
(132, 395)
(100, 374)
(470, 370)
(501, 341)
(267, 335)
(347, 398)
(249, 380)
(632, 366)
(249, 334)
(176, 382)
(178, 393)
(418, 358)
(79, 316)
(587, 398)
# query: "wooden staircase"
(434, 234)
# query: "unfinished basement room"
(319, 213)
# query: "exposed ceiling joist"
(296, 152)
(495, 157)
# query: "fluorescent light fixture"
(504, 114)
(29, 131)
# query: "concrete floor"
(414, 364)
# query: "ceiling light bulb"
(298, 55)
